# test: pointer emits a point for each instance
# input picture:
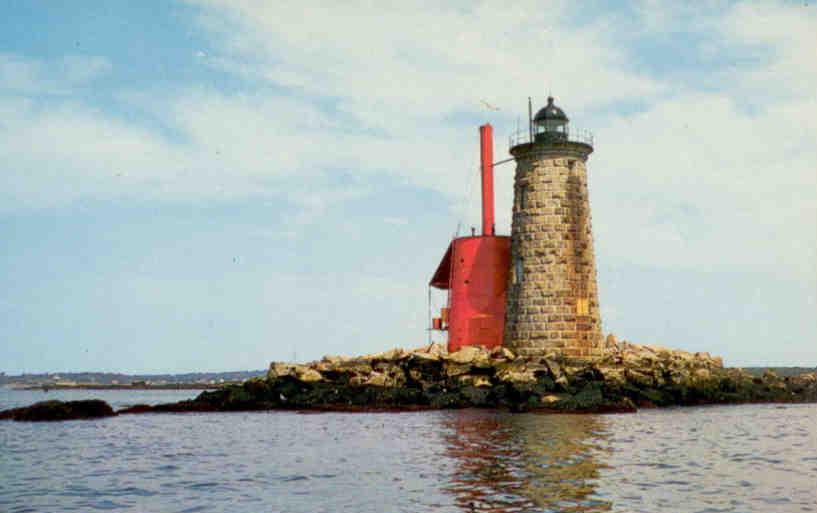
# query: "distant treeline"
(107, 378)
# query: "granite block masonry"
(552, 298)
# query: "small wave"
(289, 479)
(104, 504)
(203, 486)
(194, 509)
(131, 490)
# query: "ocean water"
(116, 398)
(757, 458)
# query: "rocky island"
(628, 376)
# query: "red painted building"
(474, 271)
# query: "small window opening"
(518, 271)
(582, 306)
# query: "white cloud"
(54, 155)
(394, 76)
(403, 67)
(694, 178)
(699, 184)
(789, 34)
(57, 76)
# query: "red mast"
(486, 143)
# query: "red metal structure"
(474, 271)
(486, 150)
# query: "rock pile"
(629, 376)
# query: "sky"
(213, 185)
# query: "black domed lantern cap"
(550, 123)
(550, 112)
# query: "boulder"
(478, 381)
(333, 360)
(355, 367)
(390, 355)
(552, 399)
(589, 398)
(469, 355)
(431, 351)
(804, 385)
(424, 355)
(323, 366)
(502, 353)
(416, 374)
(457, 369)
(613, 374)
(684, 356)
(378, 379)
(308, 375)
(658, 350)
(60, 410)
(295, 370)
(476, 396)
(283, 369)
(639, 377)
(556, 373)
(701, 374)
(516, 372)
(611, 343)
(770, 376)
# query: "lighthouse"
(552, 294)
(534, 292)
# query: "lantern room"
(550, 124)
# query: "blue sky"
(215, 185)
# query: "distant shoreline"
(93, 380)
(94, 386)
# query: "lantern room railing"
(571, 134)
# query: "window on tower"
(518, 271)
(582, 306)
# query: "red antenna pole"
(486, 143)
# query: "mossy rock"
(477, 396)
(444, 400)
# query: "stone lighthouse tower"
(552, 296)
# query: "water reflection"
(513, 463)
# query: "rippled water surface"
(742, 458)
